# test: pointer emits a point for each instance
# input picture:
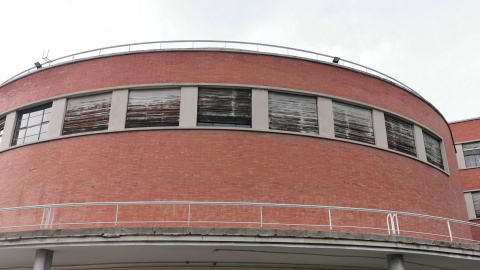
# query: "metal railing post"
(116, 216)
(188, 214)
(330, 219)
(449, 230)
(52, 217)
(261, 216)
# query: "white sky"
(432, 46)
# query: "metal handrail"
(47, 221)
(224, 44)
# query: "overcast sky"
(431, 46)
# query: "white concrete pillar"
(43, 259)
(460, 157)
(118, 110)
(444, 156)
(8, 130)
(325, 117)
(260, 109)
(188, 106)
(470, 206)
(57, 116)
(419, 143)
(395, 262)
(379, 129)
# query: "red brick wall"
(217, 165)
(224, 165)
(466, 131)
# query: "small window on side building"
(86, 114)
(400, 135)
(153, 108)
(32, 124)
(433, 150)
(471, 152)
(353, 123)
(224, 107)
(476, 203)
(2, 127)
(292, 113)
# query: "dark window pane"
(153, 108)
(85, 114)
(470, 161)
(295, 113)
(201, 124)
(433, 150)
(227, 106)
(400, 135)
(2, 126)
(476, 203)
(353, 123)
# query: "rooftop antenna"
(45, 56)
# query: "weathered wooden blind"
(433, 150)
(228, 106)
(90, 113)
(292, 113)
(2, 126)
(476, 203)
(153, 108)
(471, 152)
(353, 123)
(400, 135)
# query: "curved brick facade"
(226, 165)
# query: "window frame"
(20, 118)
(477, 165)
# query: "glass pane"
(43, 135)
(44, 128)
(200, 124)
(470, 161)
(35, 120)
(32, 131)
(48, 110)
(18, 141)
(244, 126)
(25, 115)
(477, 160)
(21, 133)
(36, 113)
(23, 123)
(46, 117)
(31, 138)
(223, 125)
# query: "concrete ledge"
(209, 234)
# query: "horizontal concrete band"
(158, 235)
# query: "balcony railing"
(235, 214)
(211, 44)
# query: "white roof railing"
(209, 44)
(331, 218)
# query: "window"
(471, 152)
(476, 203)
(224, 107)
(353, 123)
(433, 150)
(32, 124)
(2, 127)
(292, 113)
(85, 114)
(153, 108)
(400, 135)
